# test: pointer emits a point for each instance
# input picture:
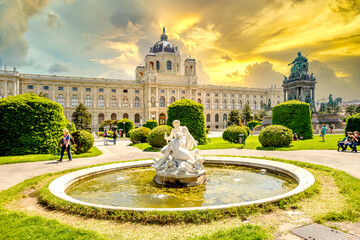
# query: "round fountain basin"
(130, 186)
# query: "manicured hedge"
(156, 136)
(295, 115)
(129, 125)
(139, 134)
(231, 134)
(253, 124)
(150, 123)
(30, 124)
(191, 115)
(247, 129)
(275, 136)
(83, 141)
(352, 123)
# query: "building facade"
(157, 84)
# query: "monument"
(300, 85)
(180, 166)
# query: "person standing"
(65, 144)
(323, 132)
(114, 137)
(105, 135)
(119, 134)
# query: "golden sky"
(236, 42)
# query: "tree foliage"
(129, 125)
(151, 124)
(139, 134)
(352, 109)
(275, 136)
(295, 115)
(352, 123)
(30, 124)
(246, 113)
(191, 115)
(234, 118)
(156, 137)
(231, 134)
(81, 117)
(83, 141)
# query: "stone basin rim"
(304, 179)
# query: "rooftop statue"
(300, 67)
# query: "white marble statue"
(178, 159)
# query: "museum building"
(157, 84)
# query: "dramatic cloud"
(59, 68)
(14, 17)
(226, 58)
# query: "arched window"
(207, 104)
(225, 118)
(125, 115)
(162, 119)
(216, 117)
(88, 101)
(182, 97)
(125, 102)
(247, 102)
(137, 102)
(199, 100)
(162, 101)
(208, 118)
(172, 99)
(101, 101)
(239, 104)
(113, 101)
(152, 65)
(61, 100)
(137, 118)
(191, 68)
(254, 105)
(224, 104)
(153, 103)
(232, 104)
(101, 117)
(74, 100)
(157, 65)
(113, 116)
(216, 104)
(168, 65)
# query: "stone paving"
(12, 174)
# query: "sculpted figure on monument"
(300, 67)
(190, 142)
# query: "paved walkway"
(12, 174)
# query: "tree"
(246, 113)
(81, 117)
(109, 123)
(259, 115)
(234, 118)
(352, 109)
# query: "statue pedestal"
(180, 180)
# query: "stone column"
(313, 94)
(6, 88)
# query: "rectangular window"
(137, 91)
(247, 96)
(172, 91)
(240, 96)
(74, 88)
(224, 95)
(232, 95)
(101, 90)
(216, 94)
(162, 90)
(199, 94)
(254, 96)
(30, 86)
(113, 90)
(182, 92)
(88, 89)
(46, 87)
(261, 97)
(60, 88)
(208, 94)
(125, 91)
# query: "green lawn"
(252, 142)
(93, 152)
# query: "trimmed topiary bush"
(150, 123)
(30, 124)
(275, 136)
(253, 124)
(156, 136)
(352, 123)
(295, 115)
(191, 115)
(231, 134)
(83, 141)
(129, 125)
(247, 129)
(139, 134)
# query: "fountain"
(179, 181)
(180, 167)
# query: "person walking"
(105, 135)
(65, 144)
(114, 137)
(323, 132)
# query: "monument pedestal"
(180, 180)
